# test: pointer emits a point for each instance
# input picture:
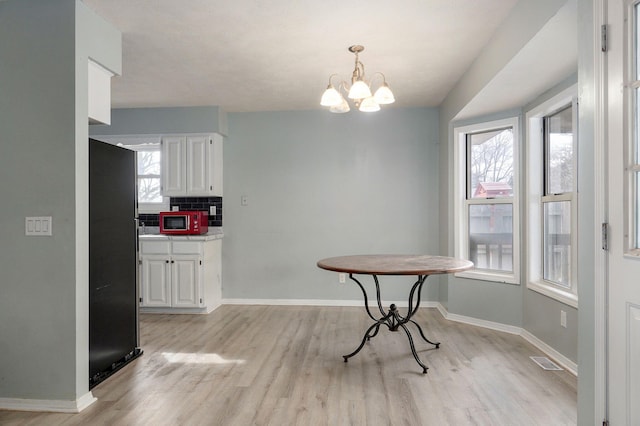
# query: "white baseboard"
(48, 405)
(319, 302)
(479, 322)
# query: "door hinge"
(141, 300)
(605, 236)
(201, 262)
(201, 300)
(605, 423)
(603, 38)
(139, 262)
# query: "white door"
(624, 262)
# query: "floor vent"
(545, 363)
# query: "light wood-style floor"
(282, 365)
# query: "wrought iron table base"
(392, 319)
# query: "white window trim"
(135, 143)
(534, 196)
(461, 224)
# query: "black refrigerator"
(113, 260)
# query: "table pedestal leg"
(392, 319)
(366, 337)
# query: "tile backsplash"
(189, 203)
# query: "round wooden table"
(394, 264)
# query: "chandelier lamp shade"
(359, 91)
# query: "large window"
(486, 199)
(557, 198)
(551, 198)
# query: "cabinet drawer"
(187, 247)
(155, 247)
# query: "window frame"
(537, 197)
(462, 201)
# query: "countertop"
(213, 234)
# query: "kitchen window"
(149, 179)
(486, 186)
(552, 197)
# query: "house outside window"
(486, 199)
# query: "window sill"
(476, 274)
(553, 292)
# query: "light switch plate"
(212, 210)
(39, 226)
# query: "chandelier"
(359, 91)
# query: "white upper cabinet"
(99, 94)
(192, 165)
(173, 165)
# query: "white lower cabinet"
(179, 276)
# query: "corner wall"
(43, 117)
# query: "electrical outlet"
(212, 210)
(175, 208)
(563, 319)
(342, 278)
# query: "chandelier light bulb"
(341, 108)
(359, 92)
(384, 95)
(369, 105)
(331, 97)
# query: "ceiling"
(275, 55)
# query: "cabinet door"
(173, 163)
(185, 282)
(197, 168)
(154, 281)
(214, 167)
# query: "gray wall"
(321, 185)
(540, 314)
(44, 49)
